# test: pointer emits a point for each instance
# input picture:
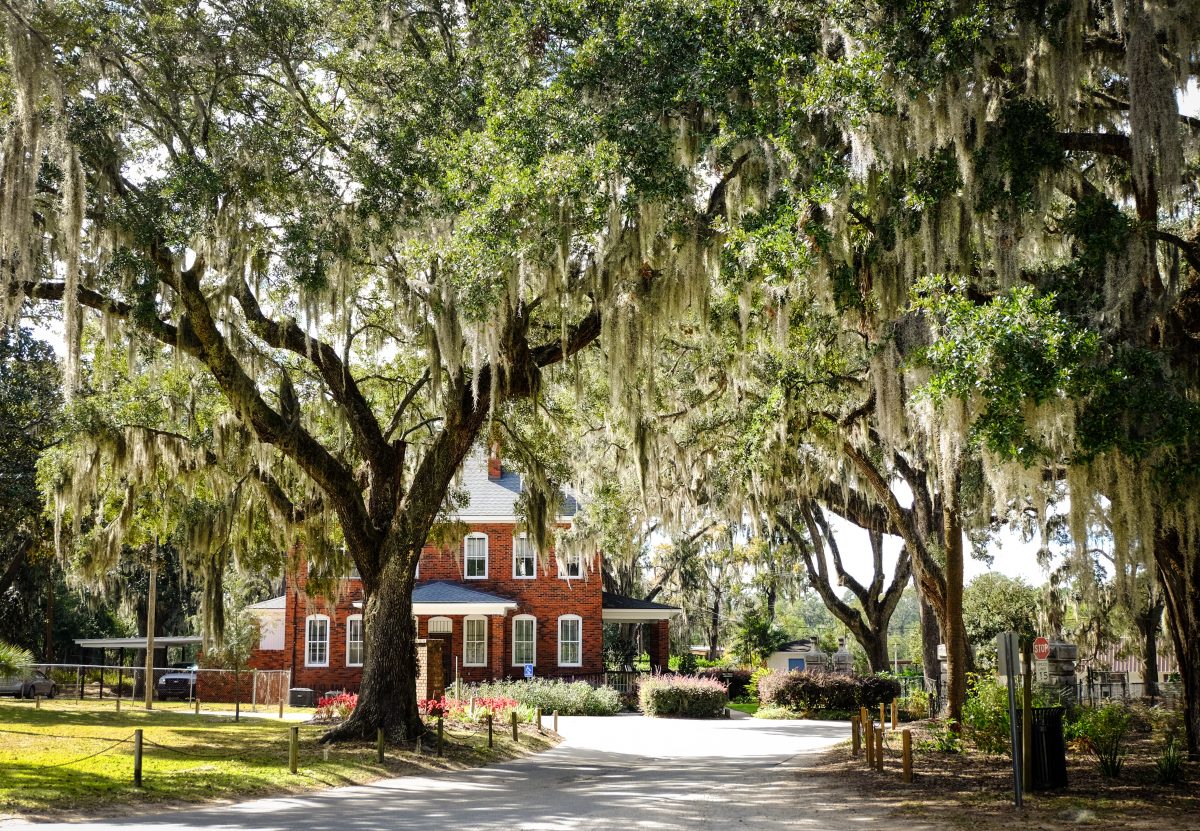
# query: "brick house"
(488, 601)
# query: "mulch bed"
(971, 790)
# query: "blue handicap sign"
(529, 670)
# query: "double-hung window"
(570, 641)
(570, 564)
(524, 640)
(475, 642)
(475, 556)
(354, 641)
(316, 641)
(524, 558)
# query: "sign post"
(1007, 646)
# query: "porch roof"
(138, 643)
(442, 597)
(621, 609)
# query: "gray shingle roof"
(497, 498)
(443, 591)
(620, 601)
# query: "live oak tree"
(370, 226)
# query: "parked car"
(27, 684)
(180, 684)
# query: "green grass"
(747, 707)
(209, 758)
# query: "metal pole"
(150, 604)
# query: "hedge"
(809, 691)
(567, 699)
(682, 695)
(736, 680)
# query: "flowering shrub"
(455, 709)
(567, 699)
(682, 695)
(805, 692)
(336, 707)
(737, 681)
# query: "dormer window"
(475, 557)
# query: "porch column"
(657, 637)
(497, 653)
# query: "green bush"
(1105, 728)
(688, 664)
(916, 704)
(944, 738)
(567, 699)
(1168, 767)
(985, 717)
(820, 691)
(682, 695)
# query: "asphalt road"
(610, 773)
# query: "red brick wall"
(546, 597)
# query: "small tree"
(238, 641)
(756, 638)
(12, 658)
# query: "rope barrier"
(93, 755)
(193, 754)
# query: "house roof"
(802, 645)
(497, 498)
(618, 608)
(137, 643)
(442, 597)
(271, 603)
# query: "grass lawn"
(190, 758)
(747, 707)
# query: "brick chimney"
(494, 467)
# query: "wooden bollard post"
(37, 702)
(489, 721)
(418, 745)
(538, 717)
(137, 758)
(882, 716)
(514, 726)
(879, 749)
(855, 737)
(280, 708)
(868, 744)
(439, 735)
(196, 705)
(556, 722)
(906, 753)
(379, 744)
(293, 749)
(895, 714)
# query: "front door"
(447, 640)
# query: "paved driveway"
(609, 773)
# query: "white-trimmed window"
(354, 641)
(570, 641)
(440, 626)
(316, 641)
(475, 641)
(570, 564)
(524, 558)
(524, 641)
(475, 556)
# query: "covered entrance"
(654, 620)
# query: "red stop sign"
(1041, 648)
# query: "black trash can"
(1049, 748)
(301, 697)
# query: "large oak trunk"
(387, 697)
(1177, 570)
(931, 636)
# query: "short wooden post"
(418, 745)
(538, 718)
(895, 714)
(514, 726)
(556, 722)
(439, 735)
(906, 753)
(855, 737)
(37, 702)
(489, 721)
(882, 716)
(869, 742)
(196, 705)
(294, 749)
(280, 707)
(137, 758)
(879, 749)
(379, 744)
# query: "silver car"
(27, 684)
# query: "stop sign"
(1041, 648)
